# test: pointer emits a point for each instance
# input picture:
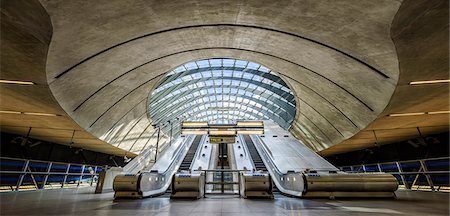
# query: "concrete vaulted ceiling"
(340, 60)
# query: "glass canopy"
(221, 91)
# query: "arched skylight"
(221, 90)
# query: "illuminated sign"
(224, 139)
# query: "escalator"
(255, 184)
(187, 161)
(257, 161)
(188, 183)
(158, 179)
(298, 171)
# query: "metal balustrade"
(431, 174)
(21, 174)
(231, 183)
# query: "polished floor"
(83, 202)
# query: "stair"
(257, 161)
(186, 164)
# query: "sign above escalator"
(222, 139)
(204, 128)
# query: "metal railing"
(229, 185)
(21, 174)
(430, 174)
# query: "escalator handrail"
(130, 167)
(171, 169)
(273, 169)
(190, 140)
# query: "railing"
(21, 174)
(427, 174)
(227, 184)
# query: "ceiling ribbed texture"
(338, 59)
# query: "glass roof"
(221, 90)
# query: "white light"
(407, 114)
(9, 112)
(40, 114)
(194, 132)
(428, 82)
(16, 82)
(439, 112)
(250, 123)
(250, 131)
(222, 132)
(195, 124)
(27, 113)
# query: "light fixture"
(194, 124)
(27, 113)
(222, 132)
(250, 131)
(16, 82)
(40, 114)
(429, 82)
(407, 114)
(194, 132)
(250, 123)
(439, 112)
(9, 112)
(419, 113)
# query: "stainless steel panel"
(351, 182)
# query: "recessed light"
(27, 113)
(428, 82)
(40, 114)
(16, 82)
(419, 113)
(407, 114)
(439, 112)
(9, 112)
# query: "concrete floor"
(84, 202)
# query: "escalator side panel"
(257, 161)
(187, 161)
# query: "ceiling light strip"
(27, 113)
(16, 82)
(439, 112)
(429, 82)
(419, 113)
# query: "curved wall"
(338, 59)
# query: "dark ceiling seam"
(146, 82)
(134, 125)
(208, 48)
(322, 98)
(316, 127)
(218, 25)
(146, 143)
(307, 138)
(137, 104)
(140, 135)
(321, 115)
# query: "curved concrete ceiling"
(105, 57)
(420, 33)
(338, 59)
(26, 32)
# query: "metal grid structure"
(221, 91)
(430, 174)
(21, 174)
